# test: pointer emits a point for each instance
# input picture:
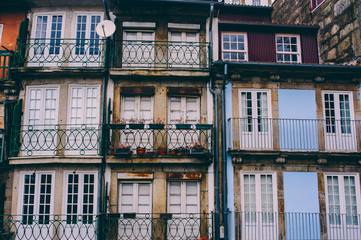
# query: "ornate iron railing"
(297, 226)
(59, 139)
(161, 139)
(108, 226)
(5, 64)
(59, 52)
(294, 134)
(150, 54)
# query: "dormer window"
(234, 47)
(288, 48)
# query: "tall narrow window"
(288, 48)
(234, 47)
(184, 49)
(138, 48)
(87, 40)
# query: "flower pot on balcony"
(162, 150)
(204, 126)
(172, 152)
(156, 126)
(136, 125)
(196, 151)
(183, 126)
(140, 150)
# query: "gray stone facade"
(339, 37)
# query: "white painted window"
(288, 48)
(81, 197)
(136, 198)
(138, 48)
(339, 120)
(259, 204)
(1, 31)
(343, 205)
(183, 110)
(36, 194)
(183, 197)
(255, 123)
(137, 107)
(84, 105)
(183, 49)
(234, 46)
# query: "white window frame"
(1, 31)
(184, 108)
(245, 51)
(342, 230)
(36, 192)
(299, 50)
(137, 111)
(88, 22)
(80, 194)
(183, 196)
(84, 103)
(254, 101)
(48, 29)
(43, 88)
(135, 195)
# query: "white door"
(138, 49)
(36, 206)
(40, 134)
(255, 123)
(137, 108)
(83, 132)
(183, 110)
(339, 125)
(184, 49)
(46, 45)
(343, 206)
(87, 46)
(81, 207)
(135, 198)
(184, 205)
(259, 206)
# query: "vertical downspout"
(104, 128)
(224, 154)
(216, 135)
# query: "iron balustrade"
(296, 226)
(57, 140)
(161, 139)
(158, 54)
(60, 52)
(108, 226)
(294, 134)
(5, 64)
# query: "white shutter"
(175, 110)
(192, 110)
(138, 107)
(183, 197)
(135, 198)
(184, 109)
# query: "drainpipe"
(216, 128)
(224, 154)
(104, 128)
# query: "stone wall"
(339, 37)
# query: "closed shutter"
(137, 107)
(183, 197)
(184, 110)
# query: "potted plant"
(182, 150)
(121, 150)
(157, 124)
(172, 152)
(118, 123)
(136, 123)
(162, 150)
(141, 150)
(197, 148)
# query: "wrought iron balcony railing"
(297, 226)
(47, 140)
(5, 64)
(59, 52)
(150, 54)
(110, 226)
(294, 134)
(161, 139)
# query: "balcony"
(136, 54)
(294, 134)
(54, 52)
(111, 226)
(55, 140)
(5, 65)
(151, 140)
(300, 226)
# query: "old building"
(339, 36)
(291, 159)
